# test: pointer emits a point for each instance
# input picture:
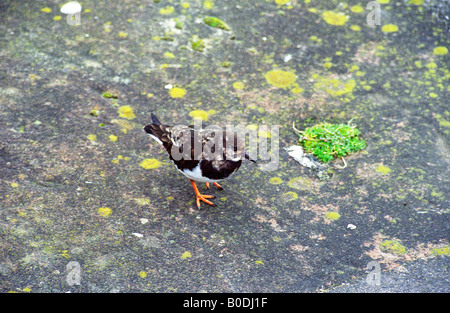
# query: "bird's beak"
(249, 158)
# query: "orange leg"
(215, 184)
(200, 196)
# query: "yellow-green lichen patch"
(167, 10)
(332, 216)
(238, 85)
(186, 255)
(14, 185)
(417, 2)
(107, 27)
(208, 4)
(169, 55)
(177, 92)
(263, 134)
(64, 253)
(126, 112)
(46, 10)
(290, 196)
(202, 114)
(113, 138)
(124, 124)
(105, 211)
(259, 262)
(389, 28)
(216, 23)
(383, 169)
(392, 246)
(333, 86)
(315, 39)
(441, 251)
(142, 274)
(300, 183)
(440, 50)
(357, 9)
(149, 164)
(296, 89)
(275, 180)
(120, 157)
(142, 201)
(280, 79)
(442, 121)
(92, 137)
(334, 18)
(277, 239)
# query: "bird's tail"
(155, 119)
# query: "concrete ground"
(89, 204)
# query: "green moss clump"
(216, 23)
(109, 95)
(94, 112)
(179, 25)
(329, 141)
(167, 38)
(198, 45)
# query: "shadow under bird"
(204, 154)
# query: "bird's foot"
(215, 184)
(201, 197)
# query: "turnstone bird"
(204, 154)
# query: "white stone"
(71, 7)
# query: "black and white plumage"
(208, 154)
